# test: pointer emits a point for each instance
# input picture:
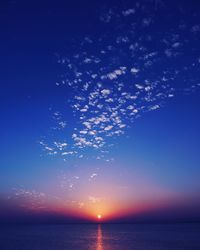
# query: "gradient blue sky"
(156, 157)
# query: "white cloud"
(138, 86)
(105, 92)
(128, 12)
(108, 128)
(134, 70)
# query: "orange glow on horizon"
(101, 202)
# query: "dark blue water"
(101, 237)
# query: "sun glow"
(99, 216)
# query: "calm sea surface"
(101, 237)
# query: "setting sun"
(99, 216)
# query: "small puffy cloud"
(139, 86)
(146, 22)
(176, 45)
(108, 128)
(195, 28)
(128, 12)
(94, 199)
(68, 153)
(114, 75)
(134, 70)
(154, 107)
(105, 92)
(93, 175)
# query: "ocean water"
(100, 237)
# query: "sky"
(100, 105)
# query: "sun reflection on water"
(99, 245)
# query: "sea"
(100, 237)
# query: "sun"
(99, 216)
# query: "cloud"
(128, 12)
(134, 70)
(94, 199)
(122, 79)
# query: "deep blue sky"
(162, 145)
